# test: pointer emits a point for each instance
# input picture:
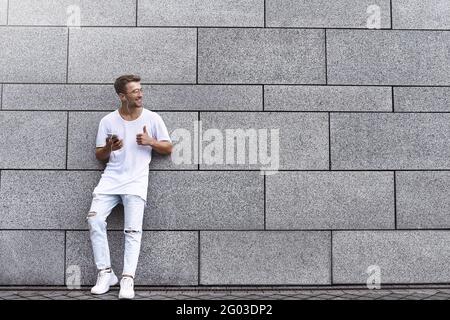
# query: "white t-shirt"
(127, 169)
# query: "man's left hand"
(144, 139)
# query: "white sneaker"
(105, 279)
(126, 288)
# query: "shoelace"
(127, 282)
(101, 275)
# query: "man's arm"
(163, 147)
(103, 153)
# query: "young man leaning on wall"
(125, 140)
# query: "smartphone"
(113, 136)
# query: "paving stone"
(62, 97)
(416, 14)
(389, 141)
(163, 54)
(31, 257)
(328, 14)
(3, 11)
(388, 57)
(40, 129)
(295, 141)
(258, 55)
(204, 97)
(330, 200)
(41, 199)
(255, 294)
(224, 13)
(65, 12)
(402, 256)
(422, 199)
(422, 99)
(327, 98)
(264, 257)
(34, 54)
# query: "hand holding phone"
(113, 136)
(113, 142)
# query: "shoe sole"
(116, 281)
(125, 298)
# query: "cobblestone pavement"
(232, 293)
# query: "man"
(125, 139)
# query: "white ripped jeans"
(101, 207)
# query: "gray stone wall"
(364, 138)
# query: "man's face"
(134, 94)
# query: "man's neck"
(130, 113)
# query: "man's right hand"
(103, 153)
(113, 144)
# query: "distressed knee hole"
(91, 214)
(131, 231)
